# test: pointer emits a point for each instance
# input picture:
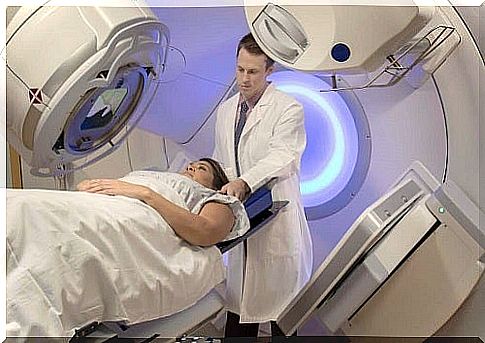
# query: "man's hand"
(238, 188)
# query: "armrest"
(260, 209)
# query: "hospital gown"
(76, 257)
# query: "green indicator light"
(441, 210)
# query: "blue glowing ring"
(332, 170)
(336, 159)
(326, 170)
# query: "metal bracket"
(407, 58)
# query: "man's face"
(251, 73)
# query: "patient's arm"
(210, 226)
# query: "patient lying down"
(210, 225)
(130, 250)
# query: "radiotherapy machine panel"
(412, 254)
(390, 175)
(76, 93)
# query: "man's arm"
(284, 152)
(237, 187)
(220, 153)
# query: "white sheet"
(74, 257)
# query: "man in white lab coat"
(260, 135)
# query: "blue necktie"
(239, 128)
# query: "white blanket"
(75, 257)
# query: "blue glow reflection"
(332, 141)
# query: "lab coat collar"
(253, 101)
(259, 110)
(267, 96)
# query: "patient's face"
(200, 172)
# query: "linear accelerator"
(411, 259)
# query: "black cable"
(447, 155)
(224, 97)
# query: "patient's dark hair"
(220, 177)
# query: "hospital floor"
(216, 329)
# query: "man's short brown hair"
(250, 45)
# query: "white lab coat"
(279, 257)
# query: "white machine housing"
(293, 36)
(76, 77)
(368, 284)
(413, 259)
